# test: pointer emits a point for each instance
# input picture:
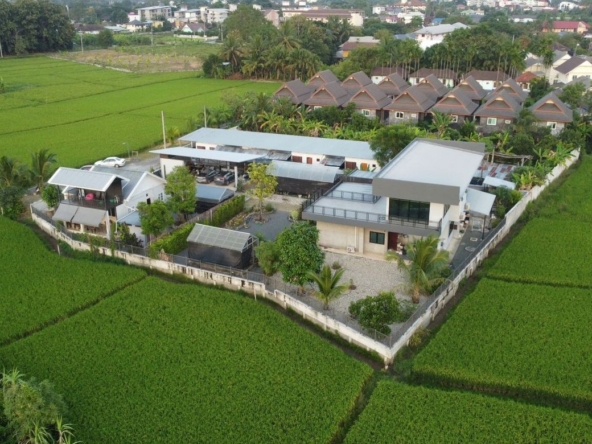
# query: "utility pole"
(81, 43)
(163, 130)
(1, 55)
(205, 117)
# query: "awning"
(89, 216)
(65, 213)
(495, 182)
(333, 161)
(480, 202)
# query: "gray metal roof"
(303, 171)
(219, 237)
(132, 218)
(89, 216)
(273, 155)
(132, 177)
(86, 180)
(213, 194)
(363, 174)
(65, 213)
(281, 142)
(222, 156)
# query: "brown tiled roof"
(500, 104)
(526, 77)
(551, 109)
(393, 84)
(511, 88)
(455, 102)
(296, 91)
(356, 80)
(488, 75)
(566, 24)
(350, 46)
(322, 78)
(386, 71)
(370, 97)
(432, 87)
(411, 100)
(439, 73)
(331, 94)
(570, 64)
(471, 89)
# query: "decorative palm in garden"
(328, 285)
(440, 123)
(425, 266)
(42, 166)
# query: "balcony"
(100, 202)
(351, 195)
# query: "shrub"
(378, 312)
(418, 338)
(269, 208)
(268, 256)
(336, 265)
(172, 243)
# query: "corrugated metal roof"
(132, 178)
(132, 218)
(495, 182)
(363, 174)
(303, 171)
(222, 156)
(212, 194)
(281, 142)
(480, 202)
(86, 180)
(65, 213)
(219, 237)
(89, 216)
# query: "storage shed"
(208, 196)
(301, 178)
(221, 246)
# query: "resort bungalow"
(552, 112)
(379, 73)
(458, 106)
(471, 89)
(296, 91)
(331, 94)
(393, 85)
(370, 101)
(356, 81)
(446, 76)
(421, 192)
(432, 87)
(498, 113)
(322, 78)
(511, 88)
(489, 80)
(410, 107)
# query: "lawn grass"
(400, 413)
(163, 362)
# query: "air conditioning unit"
(351, 249)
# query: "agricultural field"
(84, 113)
(163, 362)
(410, 414)
(548, 251)
(38, 287)
(517, 339)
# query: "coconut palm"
(328, 287)
(41, 166)
(313, 128)
(287, 38)
(232, 51)
(172, 134)
(12, 172)
(271, 122)
(425, 265)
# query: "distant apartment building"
(353, 16)
(432, 35)
(152, 13)
(213, 15)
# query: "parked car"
(111, 162)
(225, 178)
(206, 176)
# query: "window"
(552, 125)
(376, 238)
(453, 119)
(297, 159)
(555, 82)
(366, 112)
(409, 210)
(350, 165)
(491, 121)
(574, 77)
(399, 115)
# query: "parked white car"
(111, 162)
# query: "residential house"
(137, 26)
(393, 85)
(89, 29)
(568, 26)
(536, 64)
(185, 15)
(552, 112)
(322, 78)
(272, 16)
(448, 77)
(296, 91)
(432, 35)
(489, 80)
(213, 15)
(586, 81)
(498, 113)
(432, 87)
(407, 17)
(410, 106)
(525, 78)
(355, 81)
(331, 94)
(152, 13)
(471, 89)
(194, 28)
(355, 17)
(457, 105)
(411, 5)
(422, 191)
(567, 6)
(356, 42)
(379, 73)
(571, 69)
(370, 101)
(511, 88)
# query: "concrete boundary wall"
(258, 289)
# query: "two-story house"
(432, 35)
(552, 112)
(571, 69)
(421, 192)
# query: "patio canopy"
(221, 156)
(479, 202)
(89, 216)
(303, 171)
(495, 182)
(65, 213)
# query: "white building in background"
(213, 15)
(432, 35)
(152, 13)
(407, 17)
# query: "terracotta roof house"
(511, 88)
(331, 94)
(569, 26)
(552, 112)
(471, 88)
(489, 80)
(356, 81)
(370, 100)
(432, 87)
(296, 91)
(322, 78)
(457, 105)
(571, 69)
(448, 77)
(410, 107)
(525, 78)
(379, 73)
(393, 85)
(498, 112)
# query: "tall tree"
(299, 253)
(42, 166)
(390, 141)
(328, 286)
(154, 218)
(12, 172)
(232, 51)
(181, 188)
(263, 184)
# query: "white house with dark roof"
(423, 191)
(571, 69)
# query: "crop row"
(37, 286)
(548, 251)
(516, 339)
(161, 362)
(410, 414)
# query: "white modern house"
(423, 191)
(432, 35)
(571, 69)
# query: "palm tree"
(287, 38)
(271, 122)
(12, 172)
(425, 266)
(41, 166)
(328, 285)
(232, 51)
(501, 140)
(440, 123)
(172, 134)
(302, 63)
